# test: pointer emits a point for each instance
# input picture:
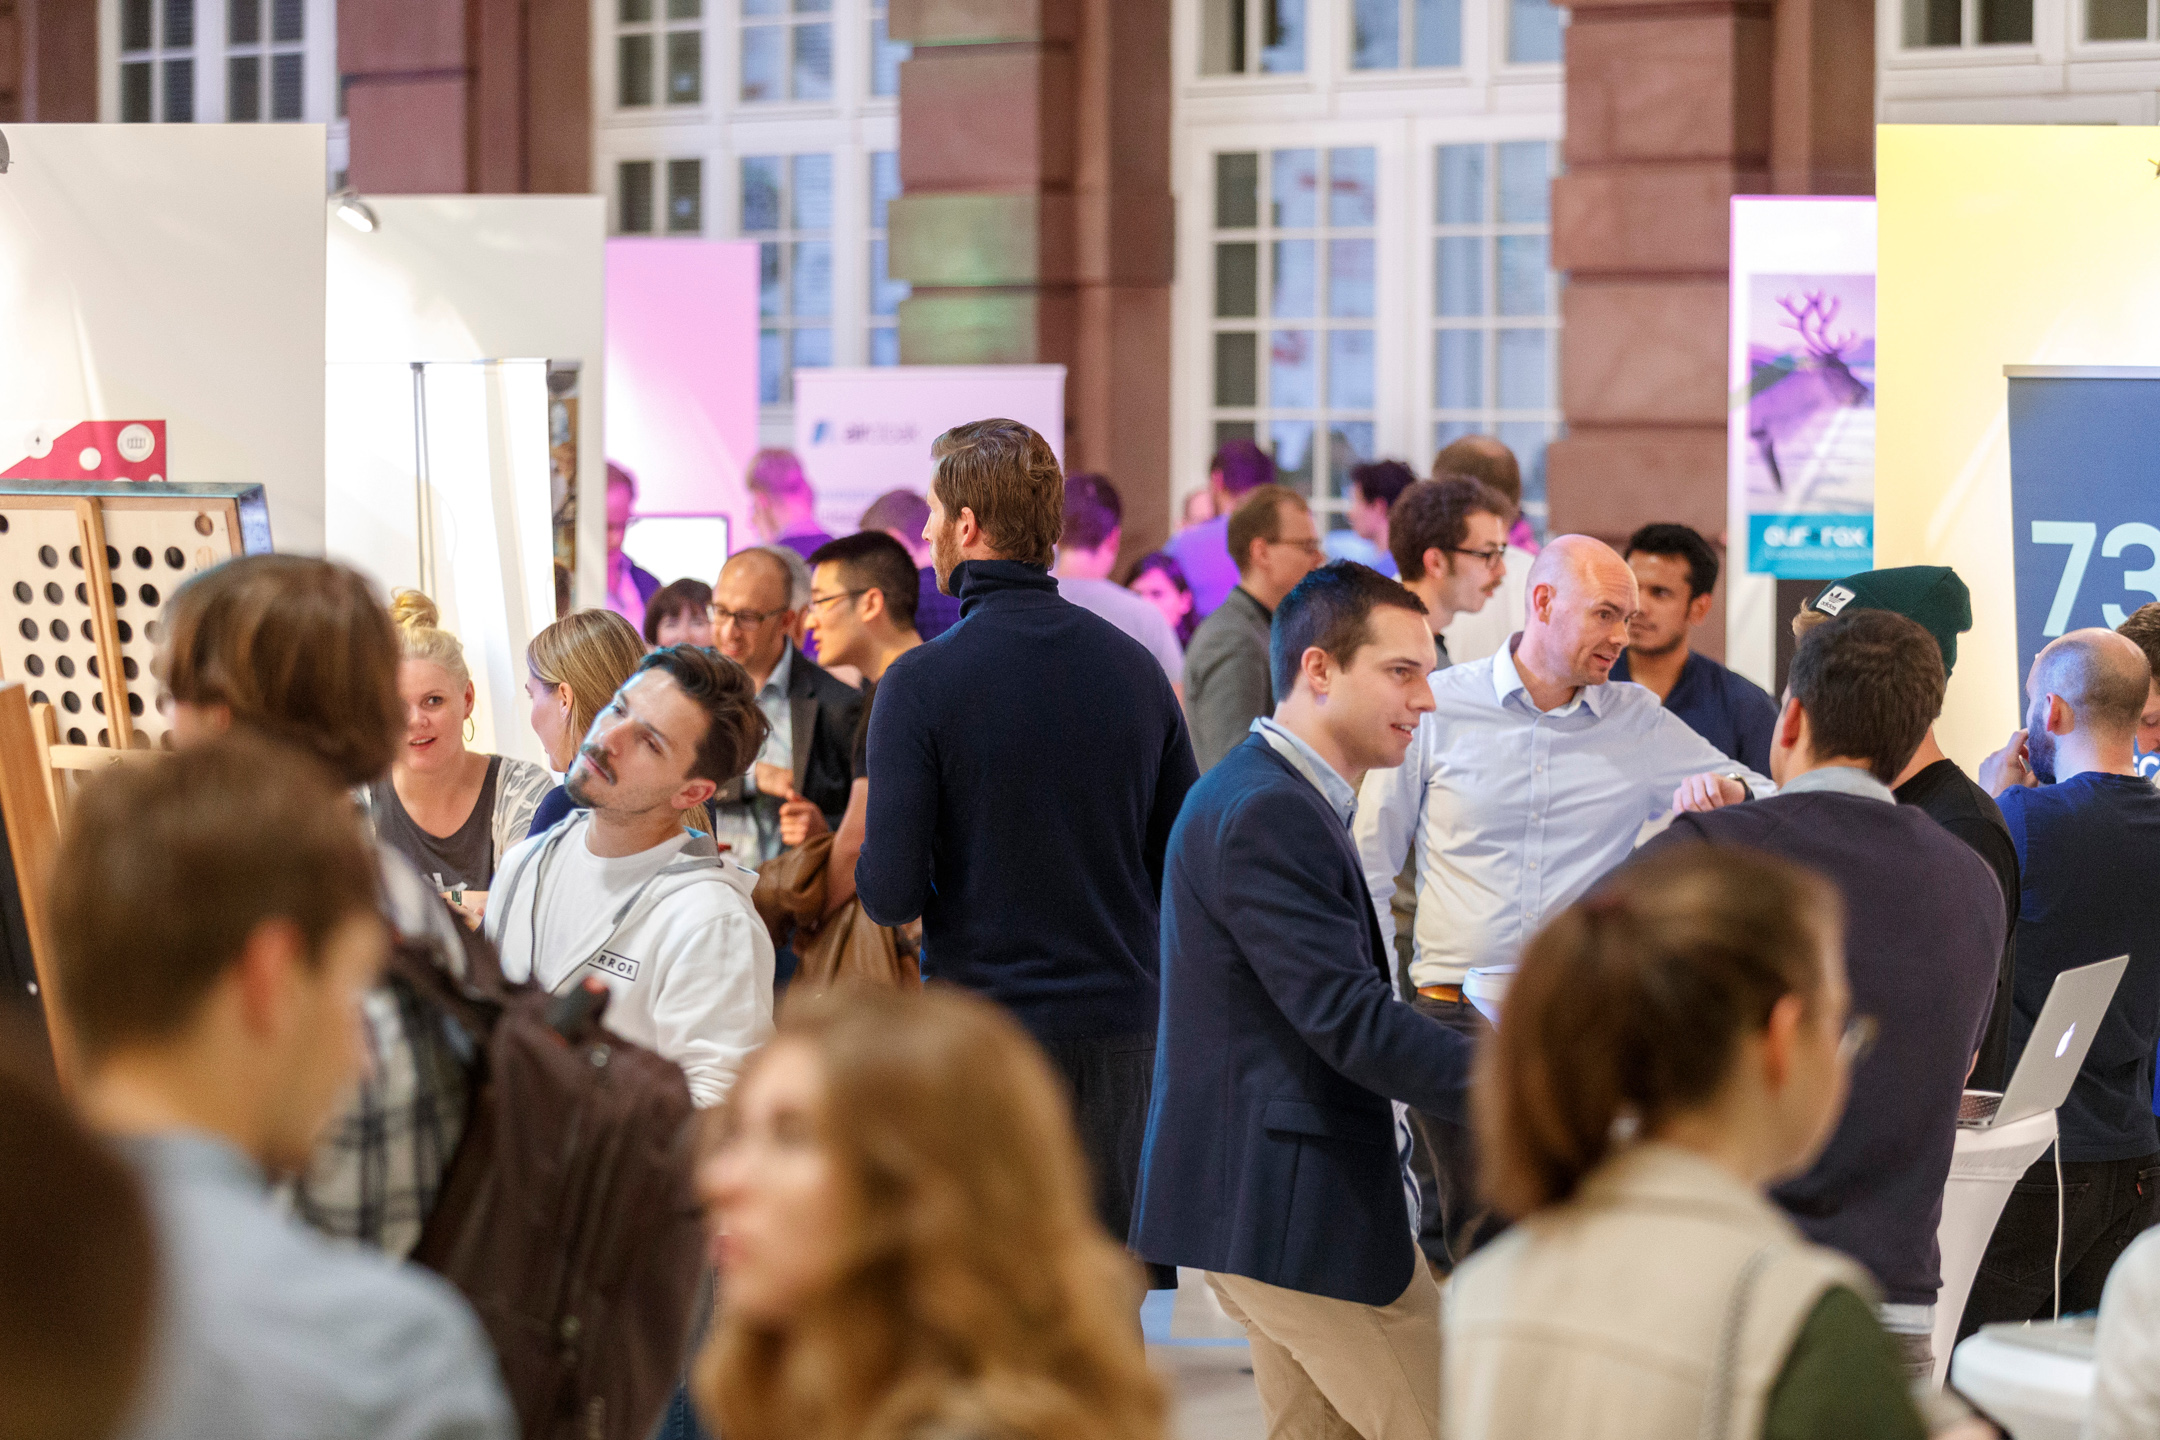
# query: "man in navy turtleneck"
(1025, 769)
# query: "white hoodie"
(672, 932)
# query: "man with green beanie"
(1933, 597)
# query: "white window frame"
(318, 70)
(723, 130)
(658, 26)
(1490, 415)
(1403, 114)
(875, 235)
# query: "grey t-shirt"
(1130, 613)
(268, 1331)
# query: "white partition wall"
(169, 273)
(479, 277)
(439, 482)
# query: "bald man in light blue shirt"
(1532, 778)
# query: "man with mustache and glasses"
(620, 890)
(2087, 830)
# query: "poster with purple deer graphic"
(1811, 418)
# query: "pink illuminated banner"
(682, 373)
(862, 432)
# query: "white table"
(1983, 1168)
(2037, 1380)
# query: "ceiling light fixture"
(356, 212)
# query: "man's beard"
(1658, 651)
(2040, 753)
(945, 554)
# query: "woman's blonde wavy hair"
(421, 636)
(979, 1295)
(591, 651)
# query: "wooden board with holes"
(67, 617)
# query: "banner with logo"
(2084, 521)
(862, 432)
(1801, 423)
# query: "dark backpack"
(567, 1217)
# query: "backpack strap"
(473, 1003)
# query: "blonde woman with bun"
(451, 811)
(572, 669)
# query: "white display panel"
(174, 273)
(484, 277)
(438, 481)
(678, 547)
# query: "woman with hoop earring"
(452, 811)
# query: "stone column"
(1674, 107)
(1035, 218)
(484, 96)
(48, 61)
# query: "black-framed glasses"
(819, 602)
(1495, 556)
(743, 619)
(1858, 1041)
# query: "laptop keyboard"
(1978, 1106)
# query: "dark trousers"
(1109, 1079)
(2106, 1204)
(1452, 1220)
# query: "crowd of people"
(1198, 864)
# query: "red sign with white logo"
(99, 450)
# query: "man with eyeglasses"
(1676, 574)
(812, 715)
(1531, 779)
(1275, 543)
(1924, 921)
(1449, 539)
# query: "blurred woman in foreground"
(1672, 1045)
(905, 1238)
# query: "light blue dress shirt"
(268, 1331)
(1513, 812)
(1307, 762)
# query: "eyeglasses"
(1858, 1041)
(1310, 547)
(1495, 556)
(743, 619)
(819, 602)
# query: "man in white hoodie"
(620, 890)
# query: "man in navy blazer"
(1271, 1158)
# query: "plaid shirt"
(375, 1176)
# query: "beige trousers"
(1333, 1369)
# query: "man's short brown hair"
(735, 729)
(1259, 517)
(169, 863)
(1871, 683)
(298, 649)
(1435, 515)
(1007, 475)
(1481, 457)
(2142, 629)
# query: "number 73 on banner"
(2079, 536)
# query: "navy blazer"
(1270, 1146)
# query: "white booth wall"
(175, 273)
(440, 324)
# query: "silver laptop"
(2076, 1004)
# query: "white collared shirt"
(1515, 812)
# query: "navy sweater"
(1923, 932)
(1025, 770)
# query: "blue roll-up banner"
(2084, 501)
